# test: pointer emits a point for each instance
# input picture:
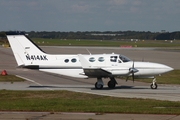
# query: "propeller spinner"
(132, 70)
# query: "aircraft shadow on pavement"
(105, 88)
(120, 87)
(57, 86)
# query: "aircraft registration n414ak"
(29, 55)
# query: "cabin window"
(73, 60)
(92, 59)
(113, 58)
(66, 60)
(101, 59)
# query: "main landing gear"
(153, 84)
(99, 84)
(111, 84)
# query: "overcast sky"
(90, 15)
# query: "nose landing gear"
(153, 84)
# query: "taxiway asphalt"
(81, 116)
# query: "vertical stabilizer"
(24, 49)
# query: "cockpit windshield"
(124, 58)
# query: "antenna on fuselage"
(88, 51)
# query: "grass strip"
(65, 101)
(108, 43)
(10, 78)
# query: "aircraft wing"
(92, 71)
(96, 72)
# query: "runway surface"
(81, 116)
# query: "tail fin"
(24, 49)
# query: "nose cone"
(148, 68)
(167, 68)
(161, 68)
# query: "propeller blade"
(132, 71)
(133, 76)
(133, 65)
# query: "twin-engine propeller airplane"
(29, 55)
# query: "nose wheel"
(153, 84)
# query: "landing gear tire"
(154, 86)
(111, 84)
(98, 86)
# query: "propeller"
(132, 70)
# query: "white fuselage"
(70, 65)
